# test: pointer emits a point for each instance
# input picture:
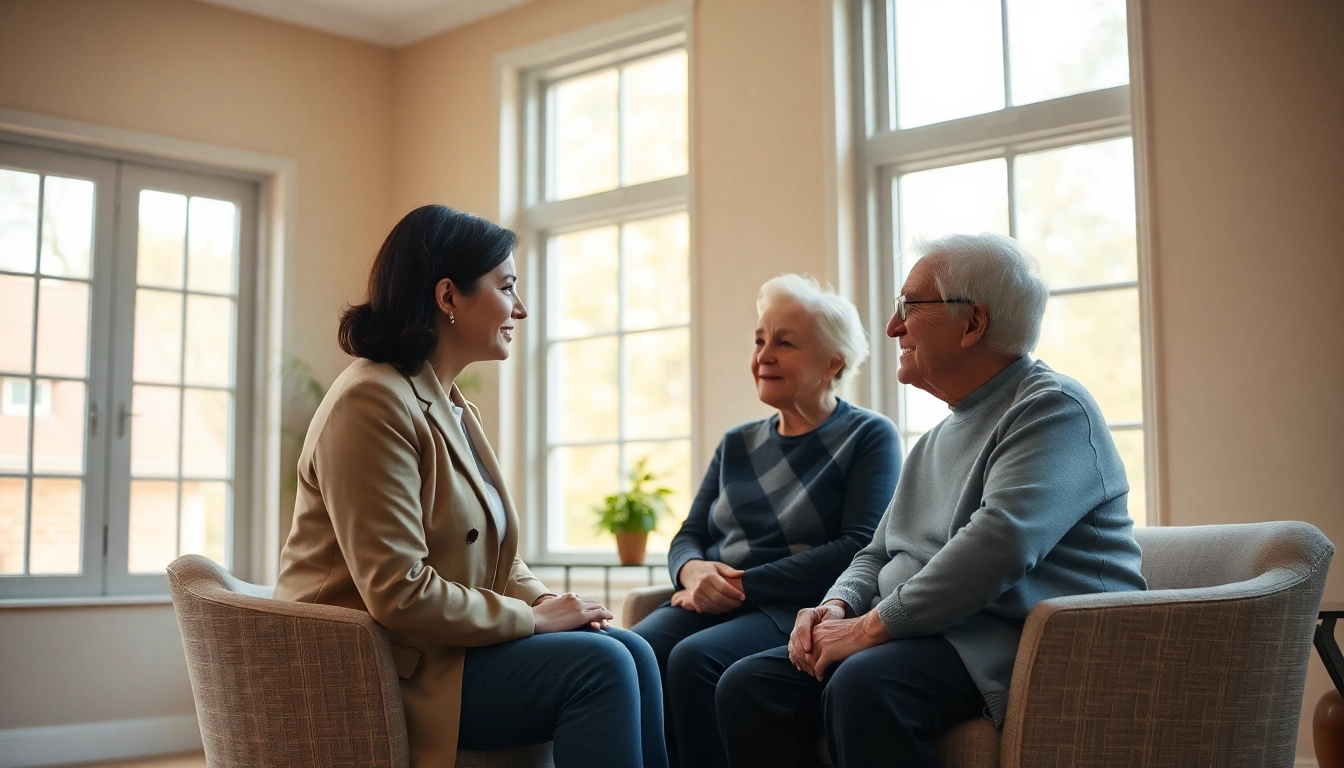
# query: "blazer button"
(473, 535)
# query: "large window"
(123, 308)
(606, 160)
(1012, 116)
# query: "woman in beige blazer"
(402, 512)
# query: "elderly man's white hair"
(998, 272)
(838, 324)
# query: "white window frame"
(255, 540)
(881, 153)
(523, 76)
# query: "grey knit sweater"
(1017, 496)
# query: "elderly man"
(1017, 496)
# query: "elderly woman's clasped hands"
(822, 636)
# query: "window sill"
(83, 602)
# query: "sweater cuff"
(852, 597)
(896, 619)
(678, 560)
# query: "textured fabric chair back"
(1214, 555)
(1205, 668)
(284, 684)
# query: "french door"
(126, 307)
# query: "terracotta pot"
(630, 546)
(1328, 730)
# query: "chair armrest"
(1185, 676)
(641, 602)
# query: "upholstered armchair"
(292, 685)
(1205, 668)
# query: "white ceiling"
(386, 22)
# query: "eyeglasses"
(902, 303)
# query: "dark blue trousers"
(693, 651)
(880, 707)
(595, 694)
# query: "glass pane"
(960, 199)
(62, 327)
(658, 374)
(67, 228)
(18, 221)
(13, 523)
(14, 424)
(212, 246)
(1062, 47)
(582, 477)
(163, 232)
(1094, 337)
(204, 520)
(209, 340)
(923, 411)
(58, 434)
(58, 507)
(153, 527)
(654, 141)
(1075, 212)
(154, 432)
(16, 317)
(583, 295)
(158, 336)
(671, 462)
(1129, 443)
(949, 60)
(657, 272)
(583, 405)
(584, 135)
(205, 433)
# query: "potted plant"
(631, 514)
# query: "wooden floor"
(188, 760)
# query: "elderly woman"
(1018, 496)
(402, 512)
(785, 505)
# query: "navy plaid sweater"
(791, 511)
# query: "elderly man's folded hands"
(822, 636)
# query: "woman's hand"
(682, 599)
(836, 640)
(713, 587)
(558, 613)
(800, 640)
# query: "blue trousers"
(693, 651)
(595, 694)
(880, 707)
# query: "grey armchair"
(1205, 668)
(288, 685)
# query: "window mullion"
(1007, 59)
(32, 379)
(622, 358)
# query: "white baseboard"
(107, 740)
(1306, 762)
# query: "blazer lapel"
(430, 393)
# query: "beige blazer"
(392, 518)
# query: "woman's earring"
(451, 318)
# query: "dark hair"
(399, 322)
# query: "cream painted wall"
(192, 71)
(1246, 104)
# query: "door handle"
(124, 414)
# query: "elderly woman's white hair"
(996, 271)
(837, 319)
